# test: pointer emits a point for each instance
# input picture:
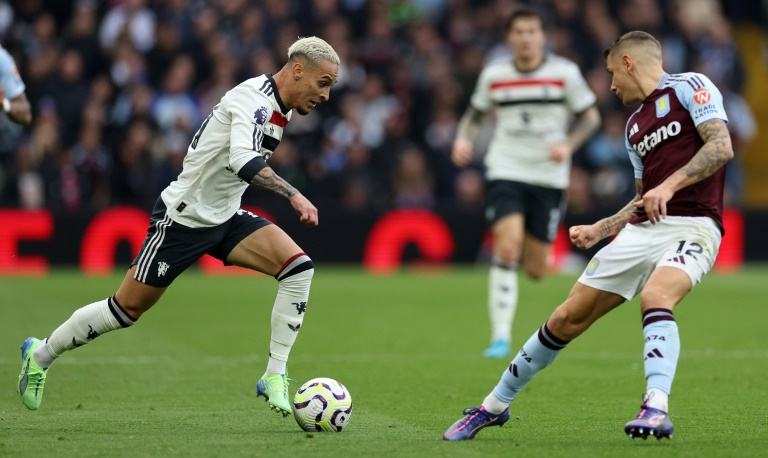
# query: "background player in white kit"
(529, 159)
(14, 101)
(200, 213)
(667, 238)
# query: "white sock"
(502, 299)
(288, 311)
(81, 328)
(657, 399)
(494, 405)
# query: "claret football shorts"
(624, 265)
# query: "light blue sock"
(537, 353)
(662, 348)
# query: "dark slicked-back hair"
(636, 37)
(525, 12)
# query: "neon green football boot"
(32, 376)
(274, 387)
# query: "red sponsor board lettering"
(390, 235)
(731, 254)
(15, 226)
(383, 251)
(105, 232)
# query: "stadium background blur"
(118, 88)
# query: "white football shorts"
(624, 265)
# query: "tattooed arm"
(267, 179)
(583, 128)
(716, 151)
(467, 131)
(587, 236)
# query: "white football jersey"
(248, 122)
(533, 112)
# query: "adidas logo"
(633, 130)
(679, 259)
(653, 354)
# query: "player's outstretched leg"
(539, 351)
(649, 422)
(85, 324)
(32, 376)
(475, 419)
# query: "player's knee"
(507, 255)
(651, 297)
(298, 274)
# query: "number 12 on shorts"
(693, 248)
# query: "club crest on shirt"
(260, 116)
(592, 267)
(662, 106)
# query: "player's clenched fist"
(584, 236)
(306, 211)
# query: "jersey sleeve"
(481, 99)
(10, 80)
(249, 111)
(701, 98)
(578, 95)
(637, 163)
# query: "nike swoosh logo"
(24, 380)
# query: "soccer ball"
(322, 404)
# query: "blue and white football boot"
(650, 422)
(475, 419)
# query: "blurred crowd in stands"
(118, 89)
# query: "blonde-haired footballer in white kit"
(667, 238)
(535, 96)
(200, 213)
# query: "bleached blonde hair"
(313, 49)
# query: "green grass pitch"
(182, 381)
